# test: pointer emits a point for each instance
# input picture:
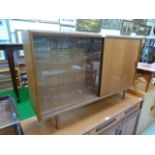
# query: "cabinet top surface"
(76, 34)
(82, 120)
(123, 37)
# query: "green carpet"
(24, 108)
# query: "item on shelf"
(2, 55)
(21, 53)
(22, 73)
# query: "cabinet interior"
(68, 70)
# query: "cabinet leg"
(148, 80)
(124, 92)
(58, 121)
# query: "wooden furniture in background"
(109, 116)
(22, 67)
(23, 74)
(9, 49)
(119, 64)
(9, 120)
(4, 62)
(5, 78)
(147, 71)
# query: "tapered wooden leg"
(148, 75)
(58, 121)
(148, 80)
(124, 92)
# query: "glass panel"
(68, 70)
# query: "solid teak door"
(131, 52)
(119, 64)
(112, 65)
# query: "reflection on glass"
(68, 70)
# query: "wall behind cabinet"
(24, 25)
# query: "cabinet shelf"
(5, 80)
(3, 70)
(23, 72)
(62, 72)
(6, 88)
(4, 77)
(57, 110)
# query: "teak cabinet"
(119, 64)
(69, 70)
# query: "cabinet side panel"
(131, 52)
(29, 59)
(112, 66)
